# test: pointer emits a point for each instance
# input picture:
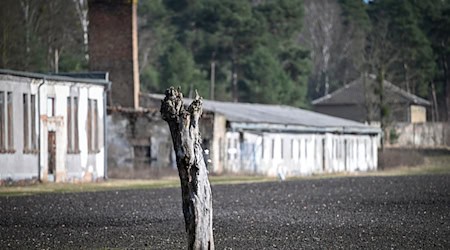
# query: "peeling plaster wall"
(18, 165)
(427, 134)
(298, 154)
(69, 166)
(138, 145)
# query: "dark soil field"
(407, 212)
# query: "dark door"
(51, 153)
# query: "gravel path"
(363, 212)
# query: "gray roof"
(354, 93)
(258, 116)
(67, 77)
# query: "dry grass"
(432, 165)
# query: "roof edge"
(54, 77)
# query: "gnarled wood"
(195, 188)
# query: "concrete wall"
(218, 148)
(70, 166)
(427, 134)
(139, 145)
(298, 154)
(399, 112)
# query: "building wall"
(298, 154)
(427, 135)
(218, 147)
(81, 164)
(139, 145)
(18, 164)
(399, 112)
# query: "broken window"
(142, 153)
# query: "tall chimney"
(113, 47)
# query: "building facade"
(258, 139)
(358, 101)
(51, 127)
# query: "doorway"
(51, 155)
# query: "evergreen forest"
(287, 52)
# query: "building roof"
(279, 117)
(98, 78)
(354, 93)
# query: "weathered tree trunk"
(195, 188)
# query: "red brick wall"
(112, 47)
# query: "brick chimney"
(113, 47)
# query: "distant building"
(357, 101)
(244, 138)
(52, 127)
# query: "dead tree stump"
(195, 187)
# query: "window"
(300, 149)
(306, 148)
(72, 125)
(229, 147)
(292, 148)
(10, 122)
(69, 125)
(142, 154)
(236, 147)
(33, 118)
(220, 149)
(50, 106)
(273, 148)
(6, 122)
(26, 124)
(29, 123)
(262, 148)
(2, 122)
(282, 148)
(92, 128)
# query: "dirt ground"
(406, 212)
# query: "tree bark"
(195, 187)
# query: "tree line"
(268, 51)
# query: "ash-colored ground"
(406, 212)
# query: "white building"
(245, 138)
(52, 126)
